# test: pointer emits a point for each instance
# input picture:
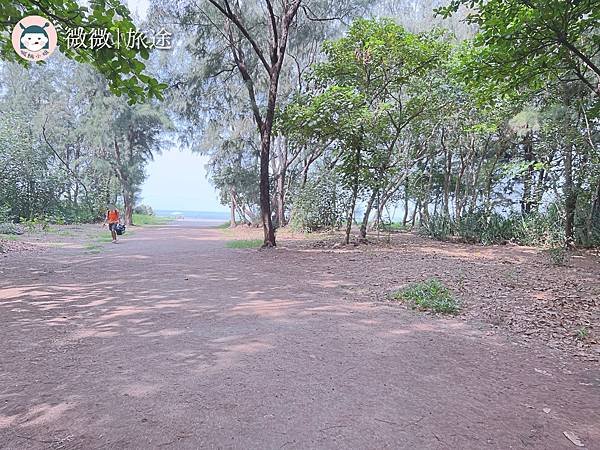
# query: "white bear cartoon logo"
(34, 38)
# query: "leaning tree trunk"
(414, 213)
(365, 221)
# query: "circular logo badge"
(34, 38)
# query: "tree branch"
(60, 158)
(228, 13)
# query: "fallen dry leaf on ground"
(573, 438)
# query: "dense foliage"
(487, 130)
(70, 148)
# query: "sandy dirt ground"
(172, 340)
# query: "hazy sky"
(177, 178)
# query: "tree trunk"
(232, 208)
(76, 194)
(447, 173)
(265, 196)
(351, 214)
(365, 221)
(570, 196)
(526, 200)
(279, 32)
(414, 214)
(281, 194)
(489, 183)
(354, 197)
(128, 202)
(457, 190)
(427, 197)
(232, 223)
(594, 212)
(405, 218)
(304, 174)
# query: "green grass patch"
(144, 219)
(224, 225)
(8, 237)
(429, 295)
(245, 243)
(95, 242)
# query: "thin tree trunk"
(526, 200)
(414, 213)
(354, 197)
(457, 190)
(405, 218)
(490, 182)
(365, 220)
(594, 211)
(232, 208)
(427, 196)
(351, 214)
(281, 188)
(447, 173)
(570, 195)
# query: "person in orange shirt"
(112, 218)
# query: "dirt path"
(172, 340)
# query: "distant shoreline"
(204, 216)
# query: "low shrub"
(541, 229)
(5, 215)
(10, 228)
(439, 227)
(429, 295)
(480, 227)
(487, 228)
(319, 206)
(144, 209)
(69, 215)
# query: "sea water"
(200, 218)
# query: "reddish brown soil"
(170, 339)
